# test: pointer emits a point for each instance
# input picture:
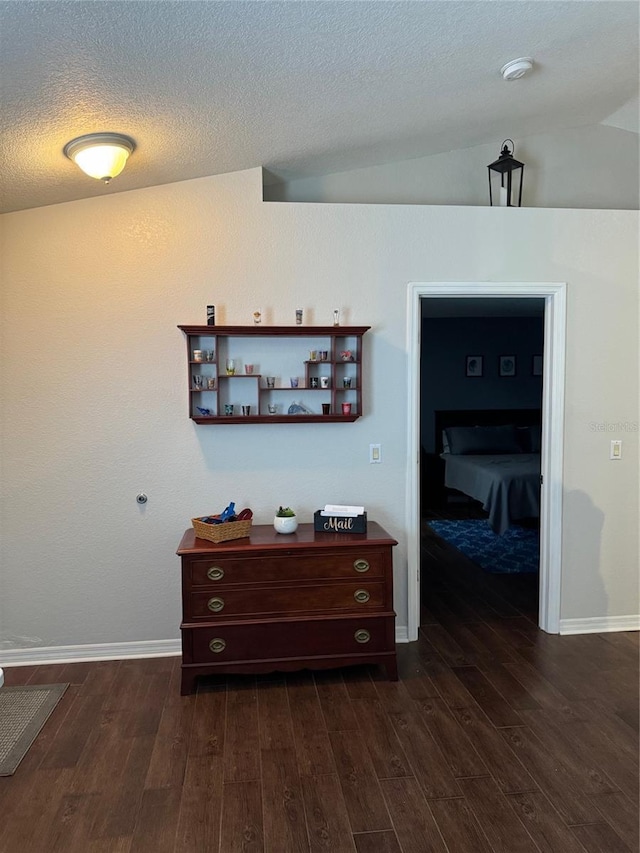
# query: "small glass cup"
(346, 408)
(231, 366)
(211, 355)
(211, 383)
(197, 355)
(313, 355)
(346, 382)
(336, 317)
(326, 408)
(298, 316)
(248, 369)
(228, 409)
(324, 381)
(271, 381)
(272, 408)
(324, 354)
(294, 381)
(246, 410)
(313, 382)
(198, 382)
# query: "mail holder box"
(339, 523)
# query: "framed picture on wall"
(474, 365)
(536, 365)
(507, 365)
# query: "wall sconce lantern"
(100, 155)
(503, 193)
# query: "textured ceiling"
(301, 88)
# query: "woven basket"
(221, 532)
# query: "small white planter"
(285, 524)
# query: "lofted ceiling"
(300, 88)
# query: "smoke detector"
(517, 68)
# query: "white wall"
(95, 403)
(587, 167)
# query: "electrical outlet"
(375, 454)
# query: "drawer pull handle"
(215, 604)
(362, 635)
(215, 573)
(217, 645)
(361, 596)
(361, 566)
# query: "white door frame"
(555, 297)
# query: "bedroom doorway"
(465, 298)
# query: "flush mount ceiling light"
(100, 155)
(517, 68)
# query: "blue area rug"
(517, 550)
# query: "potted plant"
(285, 520)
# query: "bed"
(493, 456)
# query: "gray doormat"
(23, 712)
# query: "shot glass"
(211, 383)
(248, 369)
(346, 382)
(324, 381)
(271, 381)
(313, 382)
(230, 366)
(346, 408)
(336, 317)
(298, 316)
(197, 355)
(228, 408)
(198, 382)
(294, 381)
(313, 355)
(211, 355)
(272, 408)
(246, 410)
(324, 354)
(326, 408)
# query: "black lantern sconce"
(509, 169)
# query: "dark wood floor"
(497, 738)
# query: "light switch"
(375, 454)
(616, 449)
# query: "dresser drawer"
(351, 563)
(289, 639)
(230, 602)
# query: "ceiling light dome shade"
(100, 155)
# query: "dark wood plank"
(543, 823)
(415, 826)
(326, 813)
(458, 750)
(358, 682)
(445, 645)
(241, 828)
(459, 827)
(508, 686)
(504, 766)
(309, 731)
(425, 758)
(377, 842)
(504, 830)
(285, 829)
(623, 815)
(382, 742)
(335, 701)
(274, 716)
(551, 775)
(241, 746)
(360, 787)
(155, 830)
(597, 837)
(494, 705)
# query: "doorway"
(554, 296)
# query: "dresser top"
(264, 537)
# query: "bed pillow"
(530, 438)
(465, 441)
(445, 442)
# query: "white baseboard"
(109, 651)
(92, 652)
(600, 624)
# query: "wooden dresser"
(285, 602)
